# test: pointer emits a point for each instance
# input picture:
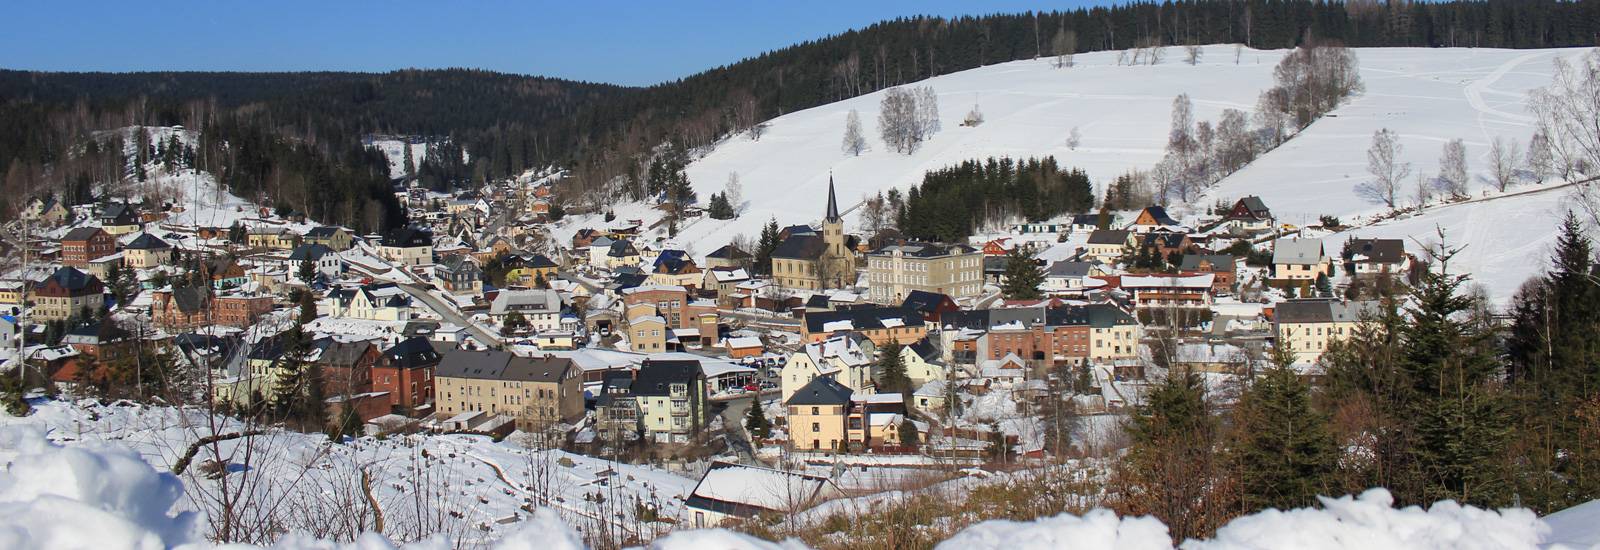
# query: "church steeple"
(833, 204)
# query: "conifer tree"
(908, 433)
(1022, 277)
(1284, 451)
(892, 370)
(765, 246)
(1172, 470)
(755, 421)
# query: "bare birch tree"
(854, 142)
(1065, 45)
(897, 120)
(1568, 113)
(1504, 155)
(1388, 172)
(1074, 138)
(1192, 53)
(1452, 178)
(1540, 158)
(734, 192)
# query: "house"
(729, 493)
(405, 371)
(1299, 260)
(459, 275)
(671, 396)
(529, 269)
(817, 415)
(1222, 266)
(1164, 290)
(930, 304)
(200, 306)
(1069, 278)
(1375, 257)
(670, 302)
(620, 254)
(337, 239)
(274, 238)
(1307, 327)
(146, 251)
(119, 219)
(1108, 245)
(729, 256)
(724, 281)
(346, 366)
(224, 272)
(1084, 223)
(47, 211)
(1038, 228)
(322, 259)
(999, 247)
(66, 294)
(1248, 215)
(407, 246)
(539, 308)
(373, 302)
(648, 334)
(743, 346)
(845, 358)
(881, 324)
(808, 261)
(82, 245)
(1166, 244)
(923, 362)
(539, 392)
(599, 248)
(896, 270)
(1154, 218)
(584, 238)
(674, 267)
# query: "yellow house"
(1307, 327)
(1107, 245)
(146, 251)
(647, 334)
(817, 415)
(1299, 260)
(538, 391)
(276, 238)
(845, 359)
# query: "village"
(831, 352)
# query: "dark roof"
(926, 302)
(1255, 209)
(1108, 236)
(340, 354)
(1160, 215)
(832, 214)
(624, 281)
(1068, 269)
(323, 231)
(80, 234)
(500, 365)
(538, 261)
(1165, 239)
(729, 252)
(1085, 219)
(821, 390)
(925, 250)
(312, 252)
(411, 353)
(1191, 262)
(1386, 251)
(147, 242)
(925, 349)
(407, 237)
(866, 318)
(807, 246)
(191, 299)
(73, 280)
(118, 214)
(656, 376)
(622, 249)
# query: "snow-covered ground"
(1428, 96)
(71, 485)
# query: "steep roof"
(809, 246)
(1159, 214)
(407, 237)
(1117, 237)
(821, 390)
(73, 280)
(729, 252)
(147, 241)
(747, 491)
(1383, 251)
(309, 252)
(81, 234)
(832, 214)
(868, 318)
(1219, 262)
(500, 365)
(411, 353)
(657, 375)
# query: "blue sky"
(636, 43)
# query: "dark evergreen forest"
(952, 202)
(305, 130)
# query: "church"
(806, 260)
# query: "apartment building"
(537, 391)
(894, 271)
(1308, 326)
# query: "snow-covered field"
(96, 478)
(1428, 96)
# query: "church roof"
(833, 204)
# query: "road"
(733, 425)
(449, 314)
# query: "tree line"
(953, 202)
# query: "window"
(814, 411)
(816, 427)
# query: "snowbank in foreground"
(54, 497)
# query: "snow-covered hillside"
(1428, 96)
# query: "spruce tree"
(1284, 452)
(1457, 416)
(1172, 470)
(765, 246)
(755, 421)
(892, 370)
(1022, 277)
(908, 433)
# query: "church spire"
(833, 204)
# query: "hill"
(1428, 96)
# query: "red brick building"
(86, 244)
(405, 371)
(192, 307)
(346, 366)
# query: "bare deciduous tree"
(1539, 158)
(1568, 113)
(1452, 177)
(1388, 172)
(897, 120)
(734, 192)
(1503, 157)
(1192, 53)
(854, 142)
(1065, 44)
(1074, 138)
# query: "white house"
(845, 358)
